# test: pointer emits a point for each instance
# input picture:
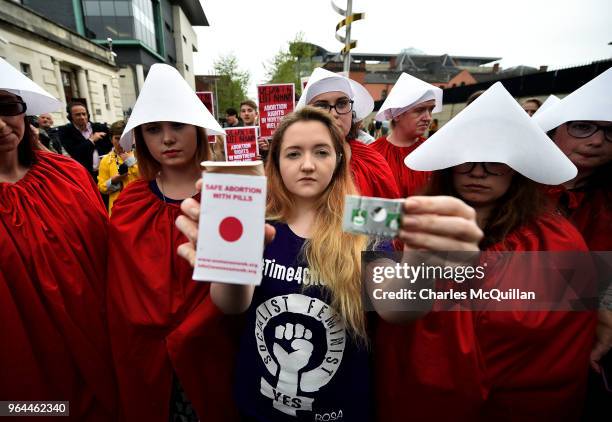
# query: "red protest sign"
(275, 102)
(241, 144)
(207, 99)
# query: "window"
(92, 8)
(143, 22)
(186, 67)
(184, 39)
(109, 19)
(121, 19)
(106, 97)
(122, 8)
(25, 69)
(125, 26)
(65, 78)
(106, 8)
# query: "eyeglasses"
(586, 129)
(492, 169)
(342, 106)
(12, 108)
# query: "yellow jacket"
(109, 167)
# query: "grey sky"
(530, 32)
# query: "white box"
(231, 232)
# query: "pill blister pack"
(372, 216)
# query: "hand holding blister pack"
(372, 216)
(232, 219)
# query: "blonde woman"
(310, 290)
(304, 350)
(348, 102)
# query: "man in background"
(84, 140)
(531, 105)
(248, 113)
(231, 118)
(48, 134)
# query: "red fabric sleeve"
(590, 212)
(162, 321)
(371, 173)
(537, 362)
(53, 250)
(410, 182)
(485, 366)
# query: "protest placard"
(207, 99)
(275, 102)
(241, 144)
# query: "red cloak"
(489, 365)
(161, 321)
(591, 213)
(53, 251)
(371, 173)
(537, 362)
(409, 182)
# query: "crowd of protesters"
(98, 232)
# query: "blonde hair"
(333, 256)
(217, 149)
(149, 167)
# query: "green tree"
(233, 83)
(290, 64)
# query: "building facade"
(524, 83)
(140, 33)
(67, 65)
(378, 72)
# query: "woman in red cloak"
(53, 242)
(581, 126)
(503, 365)
(173, 349)
(349, 103)
(408, 107)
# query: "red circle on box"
(230, 229)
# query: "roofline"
(488, 59)
(374, 54)
(390, 55)
(193, 10)
(49, 37)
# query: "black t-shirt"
(297, 360)
(155, 189)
